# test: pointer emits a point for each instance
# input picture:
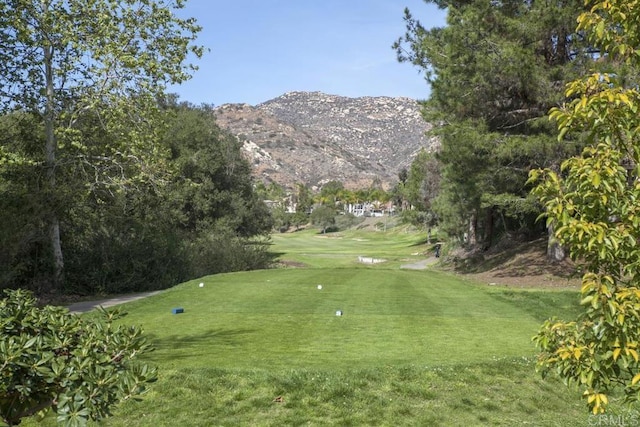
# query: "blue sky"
(260, 49)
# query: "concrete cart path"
(84, 306)
(420, 265)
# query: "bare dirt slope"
(520, 265)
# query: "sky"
(261, 49)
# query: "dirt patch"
(515, 265)
(290, 264)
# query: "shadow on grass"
(195, 342)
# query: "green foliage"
(494, 71)
(330, 192)
(324, 217)
(423, 181)
(224, 252)
(593, 203)
(79, 367)
(94, 92)
(139, 237)
(418, 218)
(108, 253)
(211, 186)
(299, 219)
(24, 256)
(303, 199)
(273, 192)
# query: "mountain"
(313, 138)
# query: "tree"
(423, 181)
(495, 70)
(210, 194)
(324, 217)
(64, 61)
(593, 201)
(303, 198)
(79, 367)
(212, 185)
(149, 236)
(329, 193)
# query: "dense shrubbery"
(222, 253)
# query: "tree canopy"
(91, 72)
(495, 70)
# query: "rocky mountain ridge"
(313, 138)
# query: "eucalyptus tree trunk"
(472, 238)
(51, 146)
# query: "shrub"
(79, 367)
(223, 253)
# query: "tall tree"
(423, 180)
(212, 184)
(65, 59)
(494, 70)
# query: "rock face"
(313, 138)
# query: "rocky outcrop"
(312, 138)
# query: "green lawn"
(279, 319)
(412, 347)
(396, 246)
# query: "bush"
(223, 253)
(79, 367)
(124, 259)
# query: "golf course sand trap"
(370, 260)
(420, 265)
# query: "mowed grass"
(414, 348)
(279, 319)
(397, 246)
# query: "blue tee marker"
(177, 310)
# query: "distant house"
(366, 209)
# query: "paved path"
(420, 265)
(84, 306)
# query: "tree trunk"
(51, 146)
(488, 237)
(555, 251)
(473, 229)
